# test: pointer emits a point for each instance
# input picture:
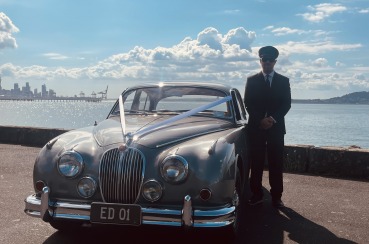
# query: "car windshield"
(174, 100)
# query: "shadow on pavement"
(266, 224)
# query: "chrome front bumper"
(45, 209)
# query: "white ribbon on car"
(173, 119)
(122, 117)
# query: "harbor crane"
(104, 93)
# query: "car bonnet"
(110, 132)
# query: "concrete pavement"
(318, 210)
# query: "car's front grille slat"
(121, 175)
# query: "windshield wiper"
(117, 112)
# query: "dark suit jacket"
(263, 101)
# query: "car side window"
(137, 101)
(144, 103)
(129, 101)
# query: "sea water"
(328, 125)
(308, 124)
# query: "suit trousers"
(266, 146)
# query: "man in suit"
(267, 100)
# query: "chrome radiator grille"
(121, 175)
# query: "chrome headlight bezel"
(70, 164)
(174, 169)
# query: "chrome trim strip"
(214, 213)
(51, 143)
(150, 216)
(178, 224)
(157, 211)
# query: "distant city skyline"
(26, 91)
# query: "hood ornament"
(122, 147)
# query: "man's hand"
(266, 123)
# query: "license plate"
(111, 213)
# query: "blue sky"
(74, 46)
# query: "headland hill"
(351, 98)
(26, 94)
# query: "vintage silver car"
(171, 153)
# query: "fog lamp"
(152, 190)
(86, 187)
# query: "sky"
(89, 45)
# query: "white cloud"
(316, 47)
(321, 12)
(9, 70)
(55, 56)
(320, 62)
(191, 59)
(6, 24)
(232, 11)
(269, 27)
(211, 37)
(209, 57)
(364, 11)
(6, 29)
(240, 37)
(286, 31)
(282, 31)
(339, 64)
(359, 76)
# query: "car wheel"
(231, 230)
(65, 225)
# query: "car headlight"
(70, 164)
(174, 169)
(86, 187)
(152, 190)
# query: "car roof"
(218, 86)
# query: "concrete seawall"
(29, 136)
(337, 162)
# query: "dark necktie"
(267, 80)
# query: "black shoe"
(277, 203)
(255, 200)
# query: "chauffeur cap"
(268, 51)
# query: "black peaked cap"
(268, 51)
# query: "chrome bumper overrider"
(42, 207)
